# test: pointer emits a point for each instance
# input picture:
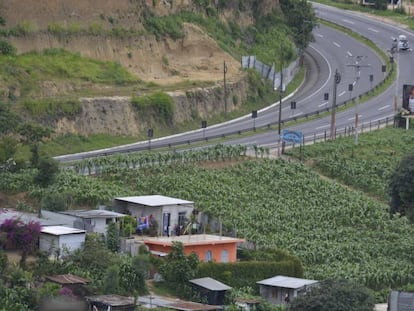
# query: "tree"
(335, 295)
(24, 236)
(111, 280)
(301, 20)
(8, 119)
(178, 268)
(132, 272)
(94, 257)
(32, 134)
(401, 188)
(48, 169)
(112, 237)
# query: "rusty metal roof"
(66, 279)
(112, 300)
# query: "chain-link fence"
(269, 72)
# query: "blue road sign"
(292, 136)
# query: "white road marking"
(323, 104)
(342, 93)
(321, 127)
(373, 30)
(348, 21)
(349, 54)
(336, 44)
(319, 35)
(384, 107)
(353, 118)
(353, 83)
(297, 114)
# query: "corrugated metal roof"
(210, 284)
(67, 279)
(112, 300)
(25, 217)
(286, 282)
(177, 304)
(61, 230)
(154, 200)
(96, 213)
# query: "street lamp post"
(357, 67)
(225, 87)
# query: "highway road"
(331, 50)
(371, 111)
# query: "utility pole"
(225, 88)
(357, 67)
(395, 49)
(337, 79)
(279, 129)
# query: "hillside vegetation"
(335, 231)
(56, 57)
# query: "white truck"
(403, 43)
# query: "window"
(209, 256)
(224, 255)
(181, 219)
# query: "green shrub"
(159, 105)
(51, 107)
(170, 25)
(55, 202)
(22, 29)
(56, 28)
(6, 48)
(242, 274)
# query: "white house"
(56, 240)
(89, 220)
(282, 289)
(168, 212)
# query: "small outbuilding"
(110, 302)
(169, 213)
(56, 240)
(210, 289)
(401, 301)
(282, 289)
(96, 220)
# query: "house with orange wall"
(207, 247)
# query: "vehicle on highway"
(403, 43)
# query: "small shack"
(207, 247)
(90, 220)
(73, 282)
(56, 240)
(110, 302)
(282, 289)
(210, 289)
(401, 301)
(169, 213)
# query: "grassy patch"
(77, 143)
(159, 105)
(28, 70)
(53, 108)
